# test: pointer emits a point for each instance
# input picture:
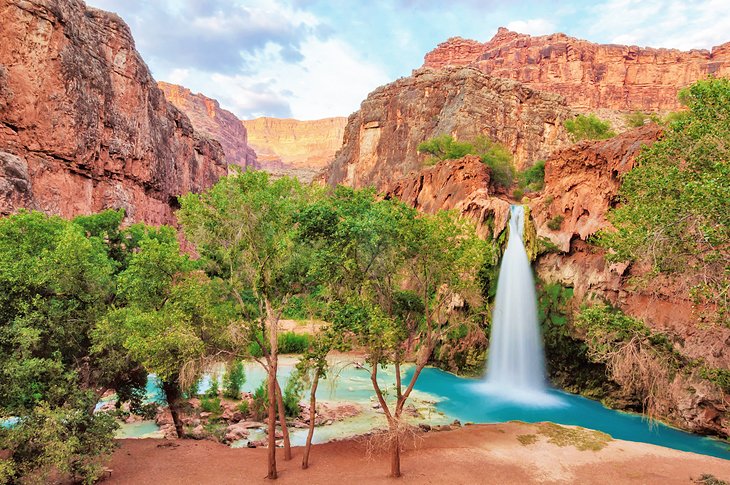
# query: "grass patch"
(581, 438)
(527, 439)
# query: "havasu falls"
(516, 364)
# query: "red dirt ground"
(471, 455)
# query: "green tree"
(493, 154)
(243, 229)
(589, 127)
(233, 380)
(169, 316)
(56, 282)
(368, 250)
(674, 212)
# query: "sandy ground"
(479, 454)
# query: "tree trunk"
(273, 358)
(272, 420)
(312, 416)
(282, 422)
(172, 396)
(395, 455)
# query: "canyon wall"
(590, 76)
(462, 185)
(83, 126)
(211, 120)
(581, 184)
(381, 139)
(294, 147)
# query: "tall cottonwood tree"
(243, 228)
(392, 275)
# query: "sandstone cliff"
(83, 126)
(381, 139)
(581, 184)
(462, 185)
(211, 120)
(294, 147)
(588, 75)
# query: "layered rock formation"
(211, 120)
(83, 126)
(294, 147)
(454, 184)
(581, 184)
(588, 75)
(381, 139)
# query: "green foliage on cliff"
(674, 212)
(493, 154)
(589, 127)
(532, 179)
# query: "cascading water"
(516, 365)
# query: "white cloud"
(330, 80)
(532, 26)
(676, 24)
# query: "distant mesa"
(294, 147)
(590, 76)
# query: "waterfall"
(516, 364)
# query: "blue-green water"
(464, 399)
(461, 398)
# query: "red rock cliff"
(588, 75)
(83, 126)
(210, 119)
(300, 148)
(381, 139)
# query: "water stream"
(516, 365)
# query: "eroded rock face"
(83, 124)
(581, 185)
(381, 139)
(454, 184)
(588, 75)
(293, 144)
(582, 182)
(209, 119)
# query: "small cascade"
(516, 364)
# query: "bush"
(444, 147)
(260, 401)
(211, 405)
(243, 407)
(292, 395)
(589, 127)
(637, 119)
(555, 222)
(517, 194)
(293, 343)
(214, 389)
(495, 155)
(532, 179)
(233, 380)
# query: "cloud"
(213, 35)
(532, 26)
(677, 24)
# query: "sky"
(311, 59)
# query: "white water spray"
(516, 365)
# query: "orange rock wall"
(83, 126)
(209, 119)
(588, 75)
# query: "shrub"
(243, 407)
(589, 127)
(532, 179)
(293, 343)
(292, 395)
(517, 194)
(555, 222)
(214, 389)
(211, 405)
(233, 381)
(260, 401)
(444, 147)
(495, 155)
(638, 118)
